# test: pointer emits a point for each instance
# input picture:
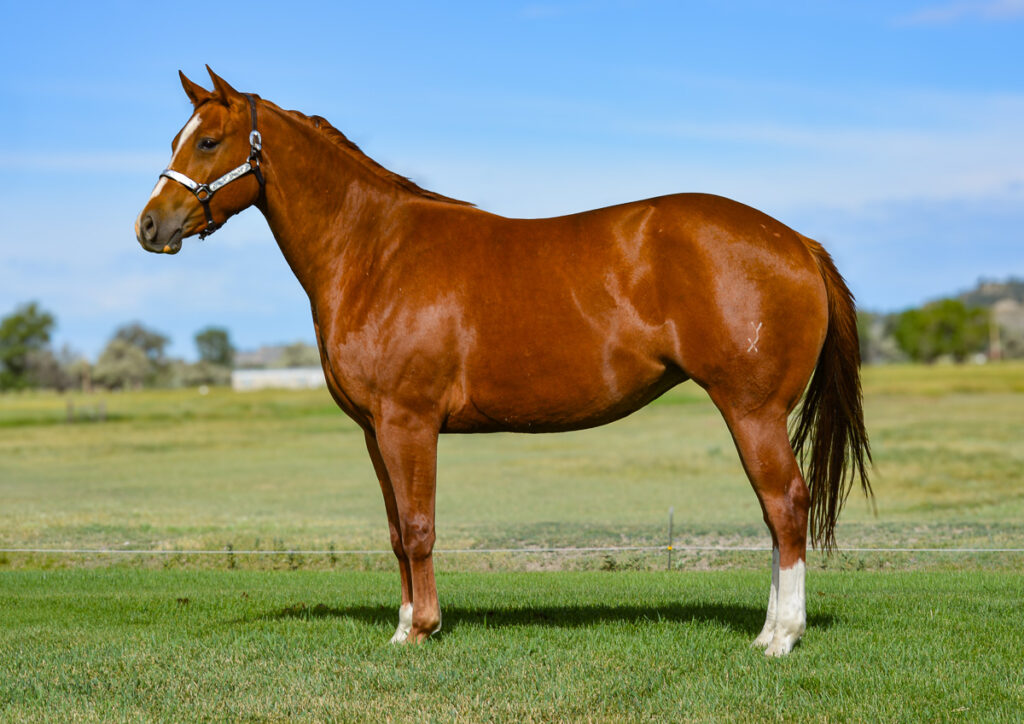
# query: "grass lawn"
(123, 644)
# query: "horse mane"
(342, 141)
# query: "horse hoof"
(764, 639)
(781, 645)
(400, 636)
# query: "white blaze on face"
(186, 133)
(158, 188)
(791, 615)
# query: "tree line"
(985, 323)
(134, 357)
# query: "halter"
(205, 192)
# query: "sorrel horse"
(434, 316)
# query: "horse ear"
(222, 88)
(195, 92)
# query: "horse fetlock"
(423, 624)
(425, 627)
(404, 624)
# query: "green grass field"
(602, 637)
(275, 470)
(131, 645)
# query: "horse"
(434, 316)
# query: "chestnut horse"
(434, 316)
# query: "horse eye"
(208, 144)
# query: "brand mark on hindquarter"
(757, 336)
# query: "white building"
(289, 378)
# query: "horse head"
(195, 193)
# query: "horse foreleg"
(407, 447)
(405, 609)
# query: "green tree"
(151, 342)
(24, 335)
(215, 346)
(122, 365)
(45, 370)
(205, 373)
(944, 328)
(152, 345)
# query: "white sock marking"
(791, 617)
(404, 624)
(768, 632)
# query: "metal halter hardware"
(205, 192)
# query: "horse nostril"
(148, 228)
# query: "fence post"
(671, 510)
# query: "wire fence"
(668, 548)
(482, 551)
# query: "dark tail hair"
(829, 437)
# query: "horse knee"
(418, 536)
(396, 542)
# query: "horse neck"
(321, 205)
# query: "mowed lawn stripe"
(140, 645)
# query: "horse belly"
(559, 387)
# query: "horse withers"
(434, 316)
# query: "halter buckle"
(255, 141)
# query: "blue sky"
(893, 132)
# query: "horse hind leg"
(763, 444)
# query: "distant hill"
(988, 292)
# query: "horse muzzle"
(160, 236)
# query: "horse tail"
(829, 437)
